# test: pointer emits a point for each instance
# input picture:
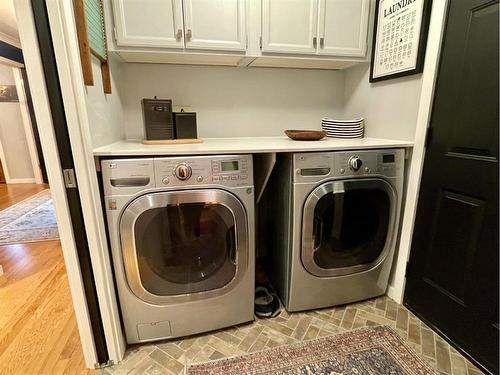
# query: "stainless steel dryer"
(182, 240)
(337, 229)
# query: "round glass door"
(183, 243)
(348, 226)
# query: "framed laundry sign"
(399, 38)
(89, 17)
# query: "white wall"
(391, 111)
(389, 107)
(105, 110)
(232, 102)
(12, 134)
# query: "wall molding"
(10, 39)
(12, 63)
(20, 180)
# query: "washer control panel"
(230, 170)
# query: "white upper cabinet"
(241, 32)
(343, 26)
(150, 23)
(289, 26)
(215, 24)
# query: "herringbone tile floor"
(171, 357)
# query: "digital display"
(389, 158)
(228, 166)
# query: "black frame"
(422, 44)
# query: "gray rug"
(30, 220)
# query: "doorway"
(20, 150)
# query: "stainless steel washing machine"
(337, 228)
(182, 239)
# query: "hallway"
(38, 331)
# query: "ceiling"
(8, 23)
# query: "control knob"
(183, 171)
(355, 163)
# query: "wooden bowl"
(305, 135)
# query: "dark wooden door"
(452, 275)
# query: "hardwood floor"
(14, 193)
(38, 331)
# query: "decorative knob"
(355, 163)
(183, 171)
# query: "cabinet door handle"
(189, 35)
(178, 36)
(322, 42)
(315, 42)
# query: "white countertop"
(246, 145)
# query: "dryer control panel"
(318, 165)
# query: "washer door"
(348, 226)
(184, 245)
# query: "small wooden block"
(185, 141)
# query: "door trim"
(162, 199)
(41, 105)
(63, 28)
(65, 152)
(339, 186)
(429, 76)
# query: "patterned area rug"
(372, 350)
(30, 220)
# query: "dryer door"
(348, 226)
(184, 245)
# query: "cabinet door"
(343, 26)
(289, 26)
(215, 24)
(151, 23)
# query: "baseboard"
(394, 295)
(21, 181)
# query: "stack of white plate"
(343, 128)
